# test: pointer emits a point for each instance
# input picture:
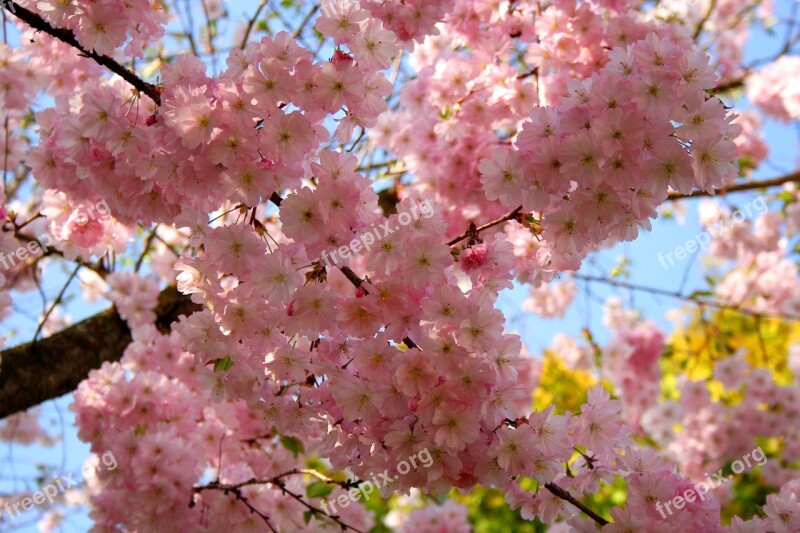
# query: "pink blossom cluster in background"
(774, 91)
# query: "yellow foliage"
(707, 338)
(560, 385)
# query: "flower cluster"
(613, 127)
(104, 26)
(450, 517)
(773, 91)
(571, 121)
(235, 130)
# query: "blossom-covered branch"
(278, 483)
(36, 22)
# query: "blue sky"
(17, 464)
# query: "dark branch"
(566, 496)
(277, 482)
(33, 373)
(251, 23)
(699, 30)
(739, 187)
(513, 215)
(729, 85)
(66, 36)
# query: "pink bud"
(340, 58)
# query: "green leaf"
(699, 294)
(746, 162)
(318, 489)
(292, 444)
(224, 364)
(307, 516)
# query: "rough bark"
(36, 372)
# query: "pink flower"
(502, 176)
(277, 277)
(513, 447)
(783, 512)
(338, 85)
(189, 113)
(454, 430)
(101, 28)
(713, 159)
(83, 229)
(288, 137)
(550, 301)
(374, 47)
(233, 249)
(340, 19)
(415, 376)
(135, 297)
(269, 83)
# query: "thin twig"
(299, 31)
(148, 243)
(251, 23)
(513, 215)
(211, 32)
(711, 5)
(55, 303)
(679, 296)
(236, 490)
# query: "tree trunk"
(39, 371)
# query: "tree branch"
(277, 482)
(39, 371)
(236, 491)
(566, 496)
(693, 298)
(251, 23)
(66, 36)
(513, 215)
(739, 187)
(699, 30)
